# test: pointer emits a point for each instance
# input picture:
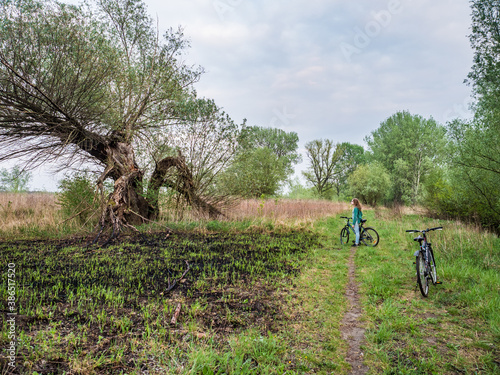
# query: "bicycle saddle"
(363, 221)
(419, 239)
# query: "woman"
(357, 215)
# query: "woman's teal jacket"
(357, 215)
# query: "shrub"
(370, 182)
(79, 198)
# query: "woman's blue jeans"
(356, 230)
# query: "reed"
(21, 212)
(28, 214)
(285, 209)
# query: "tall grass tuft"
(27, 212)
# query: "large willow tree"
(92, 84)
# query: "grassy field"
(262, 293)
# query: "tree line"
(94, 85)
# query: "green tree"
(283, 144)
(15, 181)
(475, 176)
(262, 164)
(323, 156)
(485, 41)
(370, 183)
(471, 189)
(254, 173)
(90, 84)
(480, 139)
(407, 146)
(352, 156)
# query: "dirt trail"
(351, 329)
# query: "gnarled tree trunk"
(127, 204)
(183, 184)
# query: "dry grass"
(28, 214)
(27, 210)
(277, 211)
(285, 209)
(396, 211)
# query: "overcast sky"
(331, 69)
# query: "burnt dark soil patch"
(74, 303)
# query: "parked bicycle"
(425, 261)
(368, 235)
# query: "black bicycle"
(425, 261)
(368, 235)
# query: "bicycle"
(425, 261)
(368, 235)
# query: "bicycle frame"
(367, 235)
(423, 248)
(351, 227)
(425, 262)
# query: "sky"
(325, 69)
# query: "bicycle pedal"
(438, 282)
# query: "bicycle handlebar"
(425, 230)
(345, 217)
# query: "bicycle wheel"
(421, 276)
(344, 236)
(432, 265)
(369, 236)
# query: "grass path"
(321, 295)
(352, 329)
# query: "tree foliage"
(485, 41)
(15, 180)
(479, 140)
(470, 188)
(408, 146)
(281, 143)
(263, 162)
(254, 173)
(370, 183)
(351, 157)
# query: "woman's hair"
(356, 203)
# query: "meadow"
(262, 292)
